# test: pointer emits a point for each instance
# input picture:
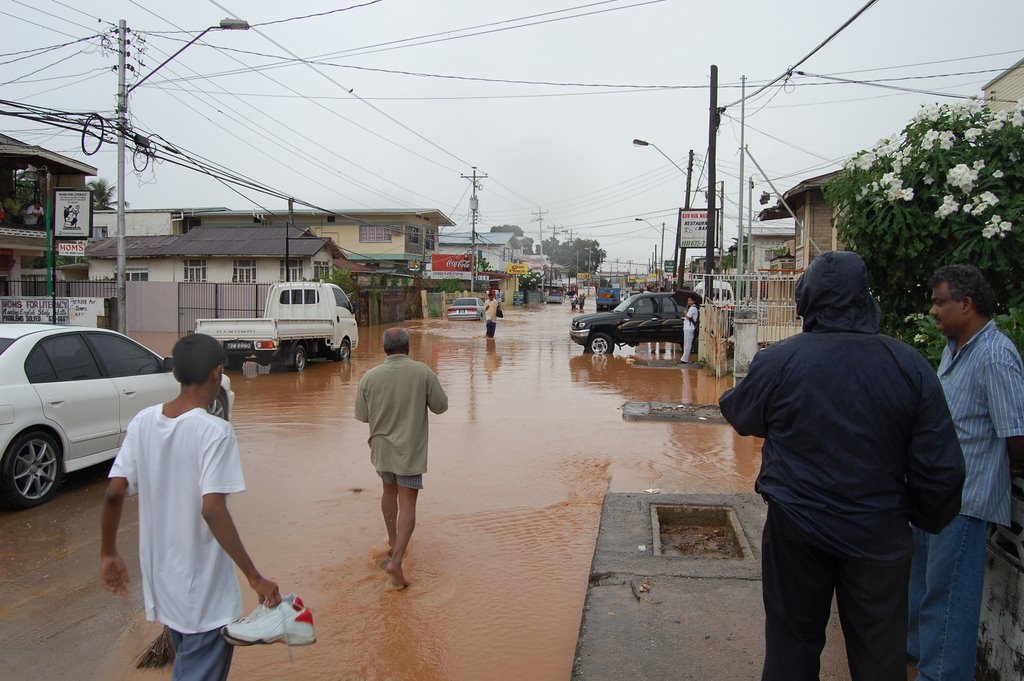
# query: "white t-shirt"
(188, 581)
(32, 214)
(692, 314)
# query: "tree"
(948, 189)
(531, 281)
(514, 229)
(344, 279)
(103, 194)
(584, 255)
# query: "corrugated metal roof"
(218, 241)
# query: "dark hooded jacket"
(858, 438)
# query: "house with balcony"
(32, 173)
(814, 232)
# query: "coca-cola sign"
(450, 262)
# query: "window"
(374, 234)
(136, 274)
(340, 299)
(298, 296)
(668, 306)
(643, 306)
(244, 272)
(430, 241)
(69, 359)
(321, 270)
(99, 231)
(195, 270)
(414, 235)
(121, 357)
(294, 270)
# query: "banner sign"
(517, 268)
(71, 248)
(73, 311)
(450, 262)
(693, 228)
(72, 217)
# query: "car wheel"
(600, 344)
(219, 406)
(345, 351)
(30, 470)
(298, 360)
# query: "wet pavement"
(507, 522)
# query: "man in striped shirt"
(983, 379)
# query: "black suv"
(641, 318)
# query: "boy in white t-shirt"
(183, 462)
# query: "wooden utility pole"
(681, 252)
(709, 251)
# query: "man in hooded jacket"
(859, 444)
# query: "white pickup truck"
(304, 319)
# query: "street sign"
(517, 268)
(670, 265)
(71, 248)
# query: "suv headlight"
(579, 325)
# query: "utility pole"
(681, 252)
(287, 250)
(122, 125)
(750, 225)
(709, 250)
(740, 257)
(720, 233)
(661, 265)
(539, 219)
(473, 208)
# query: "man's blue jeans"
(946, 580)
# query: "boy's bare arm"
(113, 570)
(222, 526)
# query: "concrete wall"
(219, 270)
(151, 306)
(153, 223)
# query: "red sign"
(450, 262)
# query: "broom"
(159, 653)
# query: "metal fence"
(215, 300)
(18, 288)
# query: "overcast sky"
(397, 99)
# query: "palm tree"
(103, 195)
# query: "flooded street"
(506, 524)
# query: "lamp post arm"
(165, 62)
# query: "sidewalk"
(650, 617)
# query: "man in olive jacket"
(859, 444)
(393, 398)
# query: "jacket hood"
(832, 295)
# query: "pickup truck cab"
(304, 320)
(641, 318)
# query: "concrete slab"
(665, 411)
(663, 617)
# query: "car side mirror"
(630, 312)
(168, 364)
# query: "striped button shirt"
(984, 387)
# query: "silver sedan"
(466, 308)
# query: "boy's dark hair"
(967, 281)
(195, 356)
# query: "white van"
(721, 292)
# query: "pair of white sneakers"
(289, 622)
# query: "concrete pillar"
(745, 334)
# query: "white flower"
(996, 226)
(972, 134)
(928, 180)
(1017, 119)
(998, 174)
(988, 198)
(963, 177)
(929, 139)
(920, 339)
(989, 231)
(996, 123)
(979, 164)
(949, 205)
(946, 139)
(929, 113)
(1014, 156)
(913, 316)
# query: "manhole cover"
(695, 531)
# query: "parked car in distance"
(466, 308)
(66, 396)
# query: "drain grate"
(693, 531)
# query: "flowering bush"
(948, 189)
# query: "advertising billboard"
(693, 228)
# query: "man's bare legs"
(389, 507)
(406, 523)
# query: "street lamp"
(658, 266)
(678, 254)
(122, 129)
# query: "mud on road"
(519, 465)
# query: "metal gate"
(217, 301)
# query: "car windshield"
(5, 343)
(466, 302)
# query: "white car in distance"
(66, 396)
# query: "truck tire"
(600, 343)
(297, 361)
(345, 351)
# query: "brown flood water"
(506, 524)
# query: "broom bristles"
(159, 653)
